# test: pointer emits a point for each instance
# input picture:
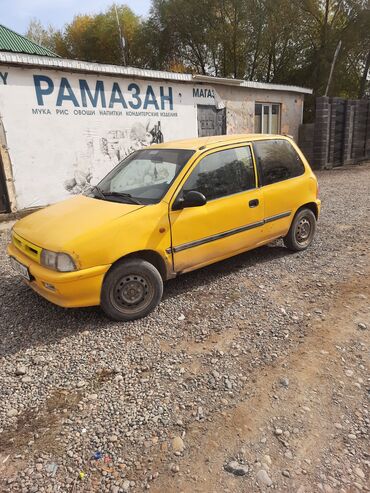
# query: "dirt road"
(252, 375)
(317, 397)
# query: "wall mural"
(75, 127)
(107, 151)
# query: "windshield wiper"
(100, 193)
(123, 195)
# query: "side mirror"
(191, 199)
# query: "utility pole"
(121, 37)
(332, 66)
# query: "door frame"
(223, 147)
(3, 189)
(177, 190)
(219, 113)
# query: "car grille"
(26, 247)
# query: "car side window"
(277, 160)
(223, 173)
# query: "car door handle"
(254, 203)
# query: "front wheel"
(131, 290)
(302, 231)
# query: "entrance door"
(232, 219)
(4, 201)
(211, 121)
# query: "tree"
(92, 37)
(329, 21)
(282, 41)
(40, 35)
(96, 37)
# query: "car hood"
(60, 224)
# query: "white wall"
(61, 138)
(65, 131)
(240, 104)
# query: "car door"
(282, 176)
(232, 219)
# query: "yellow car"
(165, 210)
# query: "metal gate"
(211, 121)
(4, 199)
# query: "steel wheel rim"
(132, 293)
(303, 231)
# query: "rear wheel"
(302, 231)
(131, 290)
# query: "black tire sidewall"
(122, 268)
(290, 240)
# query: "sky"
(16, 14)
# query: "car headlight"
(57, 261)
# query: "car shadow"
(223, 269)
(27, 320)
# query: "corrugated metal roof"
(11, 41)
(251, 84)
(100, 68)
(81, 66)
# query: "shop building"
(65, 123)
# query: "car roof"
(213, 141)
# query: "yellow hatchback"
(165, 210)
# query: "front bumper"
(71, 289)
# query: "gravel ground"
(252, 374)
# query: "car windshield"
(144, 177)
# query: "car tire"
(302, 231)
(131, 289)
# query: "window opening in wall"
(267, 118)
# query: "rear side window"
(277, 160)
(223, 173)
